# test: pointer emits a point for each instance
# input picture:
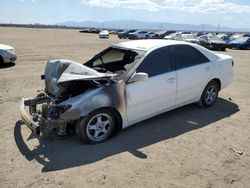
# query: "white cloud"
(209, 6)
(131, 4)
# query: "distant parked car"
(189, 38)
(124, 34)
(174, 36)
(240, 43)
(239, 35)
(94, 30)
(113, 32)
(226, 38)
(162, 34)
(139, 35)
(212, 42)
(84, 31)
(7, 54)
(104, 34)
(151, 35)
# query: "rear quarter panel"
(223, 70)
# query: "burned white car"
(124, 84)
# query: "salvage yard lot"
(187, 147)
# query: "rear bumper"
(27, 118)
(218, 46)
(104, 36)
(131, 36)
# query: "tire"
(1, 60)
(97, 127)
(210, 94)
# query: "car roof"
(152, 44)
(148, 44)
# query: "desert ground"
(187, 147)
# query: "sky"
(231, 13)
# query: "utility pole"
(218, 29)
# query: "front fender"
(105, 96)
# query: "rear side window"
(157, 62)
(186, 56)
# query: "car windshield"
(242, 39)
(115, 59)
(214, 38)
(188, 36)
(172, 34)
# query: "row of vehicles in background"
(212, 41)
(209, 40)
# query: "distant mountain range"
(133, 24)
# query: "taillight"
(232, 63)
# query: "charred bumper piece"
(41, 114)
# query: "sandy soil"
(187, 147)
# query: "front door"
(155, 95)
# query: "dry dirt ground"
(187, 147)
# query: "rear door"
(156, 94)
(193, 70)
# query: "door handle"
(171, 80)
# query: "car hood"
(5, 47)
(169, 37)
(63, 71)
(192, 40)
(218, 42)
(236, 42)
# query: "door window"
(186, 56)
(157, 62)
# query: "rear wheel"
(97, 127)
(209, 94)
(1, 60)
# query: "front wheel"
(209, 94)
(97, 127)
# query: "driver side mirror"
(138, 76)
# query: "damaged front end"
(43, 114)
(64, 80)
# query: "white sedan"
(104, 34)
(7, 54)
(124, 84)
